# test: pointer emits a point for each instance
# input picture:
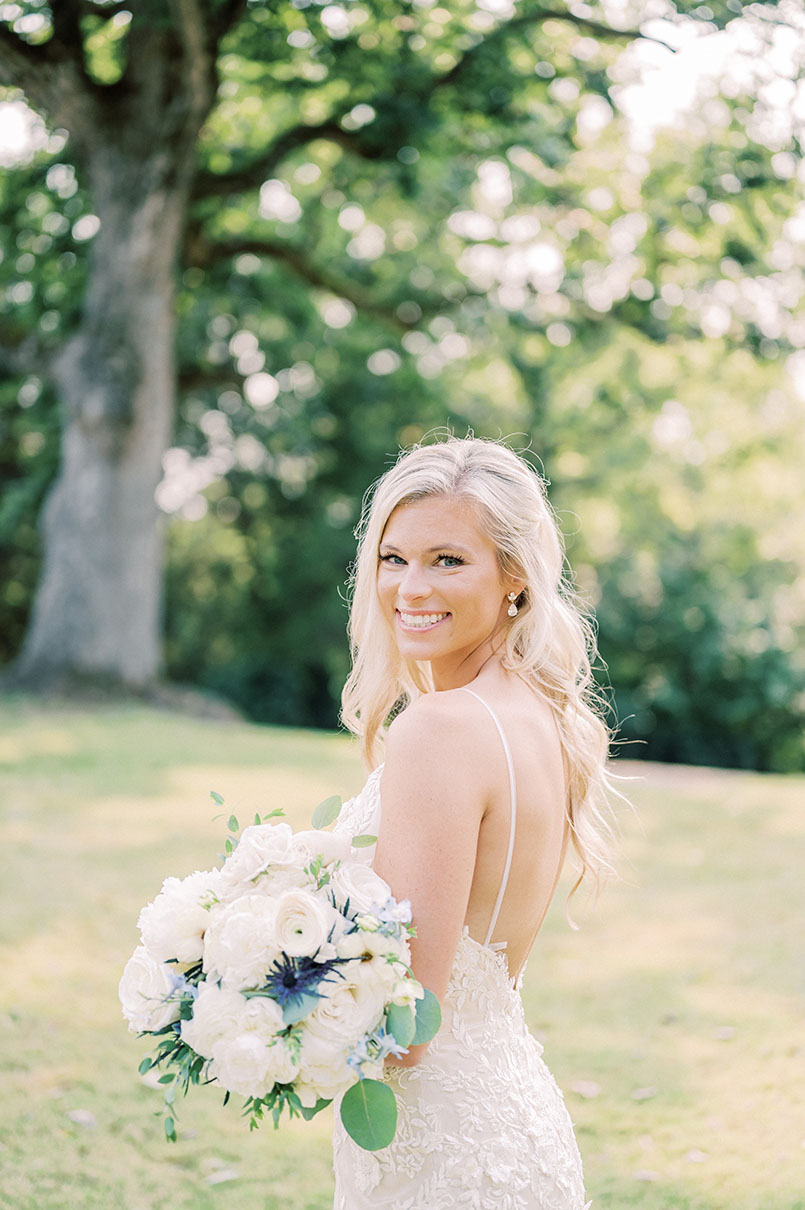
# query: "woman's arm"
(433, 802)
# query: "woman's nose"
(414, 584)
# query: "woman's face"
(440, 585)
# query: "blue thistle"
(293, 983)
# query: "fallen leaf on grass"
(586, 1088)
(83, 1117)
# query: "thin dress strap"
(513, 820)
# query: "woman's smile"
(409, 620)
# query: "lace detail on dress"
(481, 1122)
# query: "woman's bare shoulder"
(444, 723)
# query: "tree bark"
(97, 608)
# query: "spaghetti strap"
(513, 817)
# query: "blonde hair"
(550, 643)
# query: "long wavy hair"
(550, 643)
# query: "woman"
(462, 628)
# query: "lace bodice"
(481, 1122)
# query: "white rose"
(240, 944)
(276, 880)
(144, 990)
(283, 1067)
(360, 885)
(348, 1010)
(174, 924)
(260, 846)
(330, 845)
(242, 1064)
(216, 1013)
(323, 1067)
(303, 922)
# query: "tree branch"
(53, 81)
(204, 253)
(253, 173)
(522, 20)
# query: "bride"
(464, 631)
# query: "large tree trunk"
(97, 607)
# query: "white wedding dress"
(482, 1124)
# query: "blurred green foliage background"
(474, 233)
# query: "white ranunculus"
(360, 885)
(243, 1064)
(303, 922)
(241, 944)
(260, 846)
(173, 925)
(217, 1012)
(330, 845)
(143, 991)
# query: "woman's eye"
(395, 559)
(451, 560)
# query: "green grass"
(687, 980)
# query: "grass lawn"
(673, 1019)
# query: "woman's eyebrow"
(431, 549)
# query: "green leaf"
(232, 823)
(145, 1066)
(168, 1079)
(400, 1023)
(428, 1019)
(170, 1130)
(230, 848)
(273, 814)
(257, 819)
(307, 1114)
(216, 798)
(363, 841)
(299, 1007)
(369, 1114)
(326, 812)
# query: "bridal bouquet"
(283, 976)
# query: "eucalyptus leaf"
(216, 798)
(307, 1114)
(428, 1019)
(400, 1023)
(327, 812)
(299, 1007)
(369, 1114)
(232, 823)
(363, 841)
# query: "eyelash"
(457, 558)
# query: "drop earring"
(512, 610)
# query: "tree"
(133, 89)
(454, 177)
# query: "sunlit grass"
(678, 1004)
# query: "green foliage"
(327, 811)
(428, 1019)
(434, 217)
(369, 1114)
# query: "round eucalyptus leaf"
(400, 1023)
(369, 1114)
(428, 1019)
(327, 811)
